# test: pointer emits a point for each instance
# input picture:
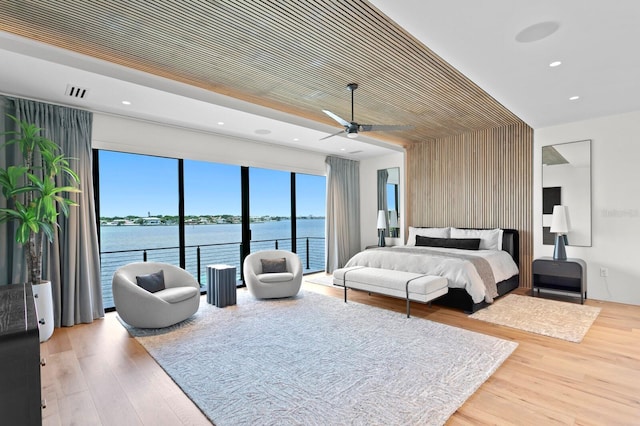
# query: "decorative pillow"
(458, 243)
(270, 266)
(426, 232)
(490, 239)
(152, 282)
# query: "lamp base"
(559, 252)
(381, 239)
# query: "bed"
(477, 273)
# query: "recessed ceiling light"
(126, 103)
(220, 123)
(555, 64)
(262, 131)
(574, 98)
(343, 149)
(296, 139)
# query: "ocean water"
(206, 244)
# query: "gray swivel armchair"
(177, 301)
(267, 276)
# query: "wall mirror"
(566, 180)
(388, 198)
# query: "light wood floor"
(97, 375)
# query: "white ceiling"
(596, 42)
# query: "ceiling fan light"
(352, 135)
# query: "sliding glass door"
(138, 212)
(310, 196)
(270, 209)
(212, 216)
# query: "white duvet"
(460, 273)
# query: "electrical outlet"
(604, 272)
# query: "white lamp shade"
(560, 220)
(382, 220)
(393, 219)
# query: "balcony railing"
(309, 249)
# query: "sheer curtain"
(343, 211)
(72, 262)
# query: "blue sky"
(141, 185)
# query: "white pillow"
(426, 232)
(490, 239)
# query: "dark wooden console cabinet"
(20, 393)
(568, 275)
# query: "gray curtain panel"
(11, 257)
(72, 262)
(383, 178)
(343, 211)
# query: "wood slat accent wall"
(477, 180)
(289, 55)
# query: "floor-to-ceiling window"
(270, 209)
(310, 195)
(189, 213)
(138, 212)
(213, 222)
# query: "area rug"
(322, 279)
(315, 360)
(562, 320)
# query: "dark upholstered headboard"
(511, 244)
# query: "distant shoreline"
(153, 221)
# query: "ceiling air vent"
(76, 92)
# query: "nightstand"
(568, 275)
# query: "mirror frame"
(555, 192)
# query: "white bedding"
(460, 273)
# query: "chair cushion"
(275, 277)
(271, 266)
(152, 282)
(177, 294)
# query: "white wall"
(615, 205)
(369, 197)
(141, 137)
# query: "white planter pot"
(44, 309)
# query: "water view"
(208, 243)
(139, 213)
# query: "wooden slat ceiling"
(290, 55)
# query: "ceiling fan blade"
(335, 134)
(335, 117)
(384, 127)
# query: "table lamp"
(560, 225)
(382, 225)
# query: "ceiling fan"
(352, 128)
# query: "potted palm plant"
(34, 201)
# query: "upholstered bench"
(405, 285)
